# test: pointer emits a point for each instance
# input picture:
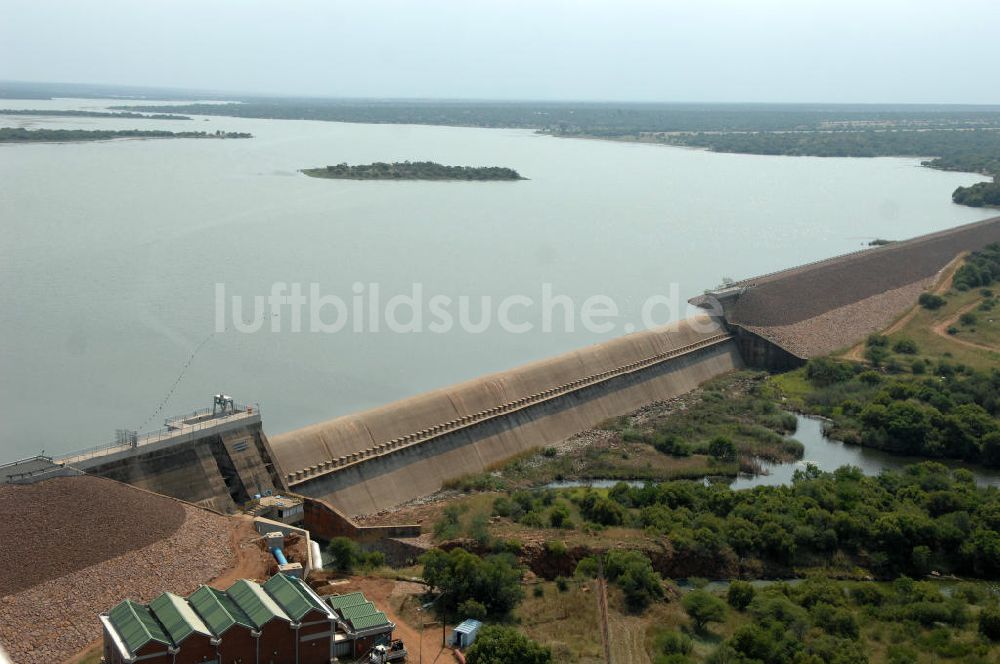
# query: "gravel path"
(51, 620)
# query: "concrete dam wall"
(369, 461)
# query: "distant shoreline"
(20, 135)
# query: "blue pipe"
(279, 555)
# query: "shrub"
(562, 584)
(968, 318)
(555, 548)
(374, 560)
(931, 301)
(876, 341)
(601, 509)
(503, 506)
(538, 591)
(674, 643)
(952, 330)
(740, 594)
(470, 608)
(549, 452)
(479, 529)
(496, 644)
(876, 355)
(905, 346)
(634, 574)
(823, 371)
(722, 449)
(989, 623)
(918, 367)
(447, 527)
(559, 517)
(346, 554)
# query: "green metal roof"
(376, 619)
(350, 599)
(358, 610)
(255, 603)
(177, 617)
(136, 626)
(218, 610)
(296, 600)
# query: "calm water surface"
(110, 252)
(825, 453)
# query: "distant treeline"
(18, 135)
(602, 119)
(413, 170)
(959, 138)
(967, 150)
(92, 114)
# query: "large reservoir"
(112, 255)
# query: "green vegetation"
(981, 268)
(347, 556)
(496, 644)
(412, 170)
(612, 120)
(17, 135)
(732, 421)
(632, 571)
(936, 409)
(820, 620)
(981, 194)
(121, 115)
(494, 581)
(703, 607)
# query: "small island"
(413, 170)
(19, 135)
(91, 114)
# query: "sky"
(838, 51)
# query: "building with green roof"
(283, 620)
(218, 610)
(360, 625)
(256, 604)
(131, 632)
(349, 599)
(179, 620)
(296, 598)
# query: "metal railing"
(175, 426)
(424, 435)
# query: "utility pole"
(422, 625)
(602, 606)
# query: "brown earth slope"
(68, 523)
(95, 542)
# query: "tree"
(470, 608)
(931, 301)
(722, 449)
(703, 607)
(494, 581)
(345, 552)
(740, 594)
(497, 644)
(634, 574)
(989, 623)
